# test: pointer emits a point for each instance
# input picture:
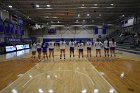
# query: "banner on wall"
(52, 31)
(1, 26)
(6, 27)
(12, 28)
(104, 30)
(96, 30)
(12, 39)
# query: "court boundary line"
(93, 67)
(17, 79)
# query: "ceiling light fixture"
(48, 5)
(10, 6)
(95, 4)
(112, 4)
(78, 15)
(88, 14)
(54, 17)
(37, 6)
(122, 15)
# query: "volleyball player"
(33, 48)
(106, 47)
(89, 45)
(71, 45)
(112, 47)
(98, 46)
(62, 48)
(80, 47)
(39, 47)
(45, 46)
(51, 49)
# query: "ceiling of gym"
(73, 11)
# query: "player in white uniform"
(51, 49)
(81, 47)
(112, 47)
(71, 45)
(39, 48)
(62, 48)
(89, 45)
(106, 47)
(98, 45)
(33, 48)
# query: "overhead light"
(100, 15)
(88, 14)
(48, 5)
(78, 15)
(122, 15)
(58, 21)
(95, 4)
(76, 21)
(83, 5)
(46, 17)
(84, 20)
(10, 6)
(37, 6)
(111, 4)
(54, 17)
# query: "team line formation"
(109, 47)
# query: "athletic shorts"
(72, 49)
(106, 48)
(51, 49)
(38, 49)
(98, 49)
(44, 50)
(62, 49)
(112, 48)
(80, 50)
(88, 48)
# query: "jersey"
(51, 45)
(39, 45)
(62, 44)
(98, 45)
(106, 44)
(89, 44)
(80, 45)
(45, 46)
(33, 47)
(112, 44)
(71, 44)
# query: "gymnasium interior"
(23, 22)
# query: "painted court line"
(101, 75)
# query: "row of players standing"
(109, 47)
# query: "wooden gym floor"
(23, 75)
